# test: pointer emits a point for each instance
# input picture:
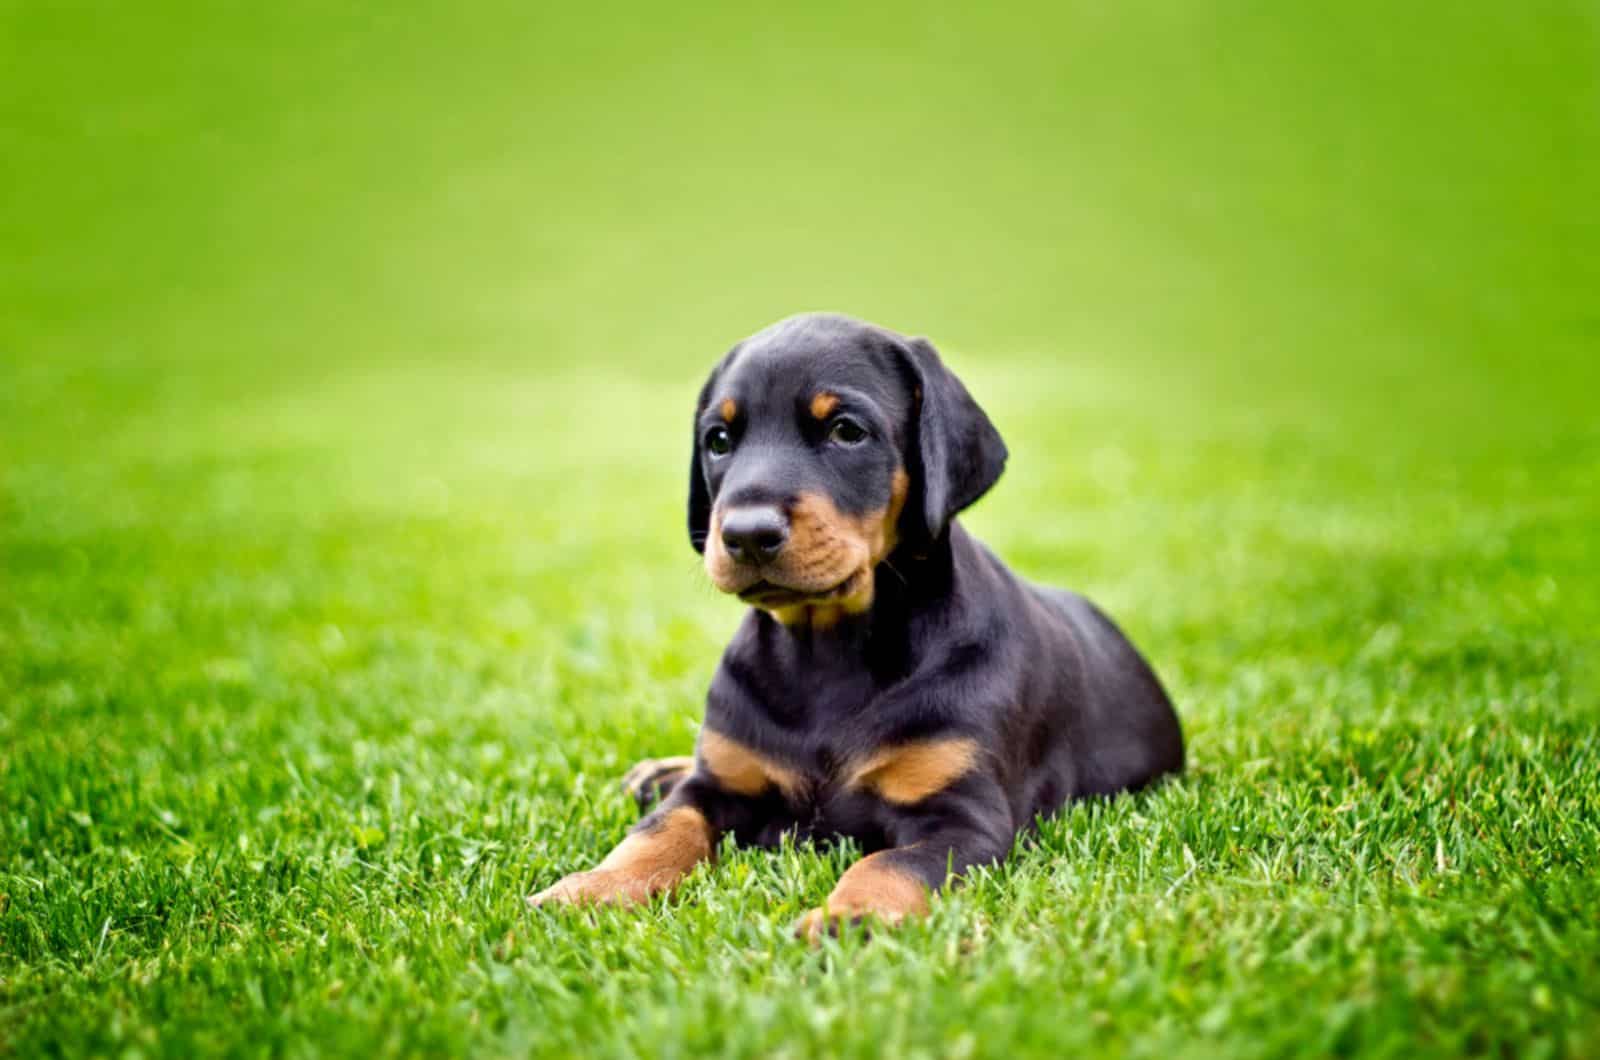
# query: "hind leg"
(653, 779)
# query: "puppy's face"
(810, 439)
(801, 446)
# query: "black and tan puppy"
(893, 681)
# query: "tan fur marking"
(743, 771)
(911, 772)
(820, 616)
(729, 410)
(823, 404)
(873, 887)
(644, 864)
(898, 489)
(827, 550)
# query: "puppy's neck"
(820, 634)
(824, 617)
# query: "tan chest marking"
(912, 772)
(744, 771)
(829, 546)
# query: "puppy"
(893, 681)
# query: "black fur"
(954, 644)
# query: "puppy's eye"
(847, 432)
(718, 441)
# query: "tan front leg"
(661, 851)
(874, 888)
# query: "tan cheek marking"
(826, 546)
(743, 771)
(729, 410)
(823, 404)
(820, 551)
(912, 772)
(716, 561)
(889, 535)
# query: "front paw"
(821, 922)
(595, 887)
(875, 889)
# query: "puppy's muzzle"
(755, 534)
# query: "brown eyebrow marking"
(823, 404)
(729, 409)
(911, 772)
(742, 770)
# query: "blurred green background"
(346, 354)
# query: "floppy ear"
(955, 452)
(699, 492)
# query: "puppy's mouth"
(769, 594)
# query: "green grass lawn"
(346, 363)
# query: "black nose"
(754, 534)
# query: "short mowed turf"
(346, 362)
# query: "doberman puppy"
(893, 681)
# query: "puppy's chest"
(822, 799)
(835, 786)
(806, 776)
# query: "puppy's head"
(820, 444)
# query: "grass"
(345, 364)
